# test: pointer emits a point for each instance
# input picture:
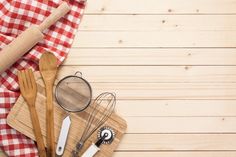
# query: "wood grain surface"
(172, 64)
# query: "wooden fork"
(28, 90)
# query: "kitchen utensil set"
(73, 94)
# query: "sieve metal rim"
(57, 97)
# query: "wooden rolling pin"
(29, 38)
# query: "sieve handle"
(63, 136)
(78, 72)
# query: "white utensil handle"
(91, 151)
(56, 14)
(63, 136)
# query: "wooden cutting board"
(19, 119)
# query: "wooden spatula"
(48, 70)
(28, 90)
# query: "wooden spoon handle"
(37, 131)
(50, 121)
(55, 16)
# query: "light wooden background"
(172, 64)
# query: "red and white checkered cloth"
(16, 16)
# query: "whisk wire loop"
(102, 108)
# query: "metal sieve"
(73, 94)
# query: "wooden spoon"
(48, 70)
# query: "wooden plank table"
(172, 64)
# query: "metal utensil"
(102, 108)
(28, 90)
(73, 94)
(105, 136)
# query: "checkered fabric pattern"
(15, 17)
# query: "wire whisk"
(102, 108)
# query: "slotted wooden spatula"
(48, 70)
(28, 90)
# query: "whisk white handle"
(91, 151)
(63, 136)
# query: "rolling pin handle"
(59, 12)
